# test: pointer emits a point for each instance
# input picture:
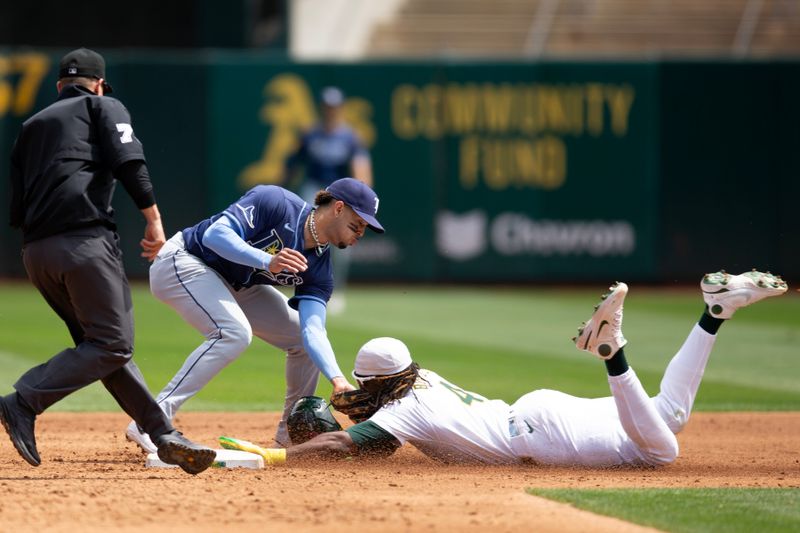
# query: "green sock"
(617, 365)
(709, 323)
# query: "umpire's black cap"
(84, 63)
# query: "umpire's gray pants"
(80, 275)
(228, 319)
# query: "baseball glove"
(310, 416)
(358, 404)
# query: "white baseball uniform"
(550, 427)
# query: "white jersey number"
(127, 133)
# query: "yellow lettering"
(574, 103)
(431, 117)
(289, 109)
(594, 109)
(404, 109)
(527, 109)
(540, 164)
(497, 105)
(357, 112)
(33, 68)
(524, 163)
(6, 91)
(620, 101)
(551, 154)
(519, 163)
(529, 118)
(468, 162)
(494, 171)
(554, 116)
(461, 108)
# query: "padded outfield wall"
(487, 171)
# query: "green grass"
(499, 342)
(691, 510)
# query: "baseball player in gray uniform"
(451, 424)
(220, 276)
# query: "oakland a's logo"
(288, 111)
(272, 244)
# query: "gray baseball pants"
(228, 319)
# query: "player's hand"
(153, 240)
(340, 384)
(288, 260)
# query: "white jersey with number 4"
(549, 427)
(448, 423)
(451, 424)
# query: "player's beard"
(341, 245)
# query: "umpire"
(63, 169)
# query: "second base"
(225, 459)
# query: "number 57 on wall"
(21, 76)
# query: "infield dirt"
(92, 479)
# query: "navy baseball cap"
(360, 198)
(332, 96)
(84, 63)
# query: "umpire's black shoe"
(19, 419)
(175, 449)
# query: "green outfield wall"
(490, 171)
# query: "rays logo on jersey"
(272, 245)
(281, 278)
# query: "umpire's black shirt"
(64, 161)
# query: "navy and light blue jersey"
(269, 218)
(325, 155)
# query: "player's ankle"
(708, 323)
(617, 364)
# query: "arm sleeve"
(222, 239)
(134, 177)
(370, 438)
(315, 338)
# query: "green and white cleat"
(602, 335)
(725, 293)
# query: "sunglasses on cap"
(375, 384)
